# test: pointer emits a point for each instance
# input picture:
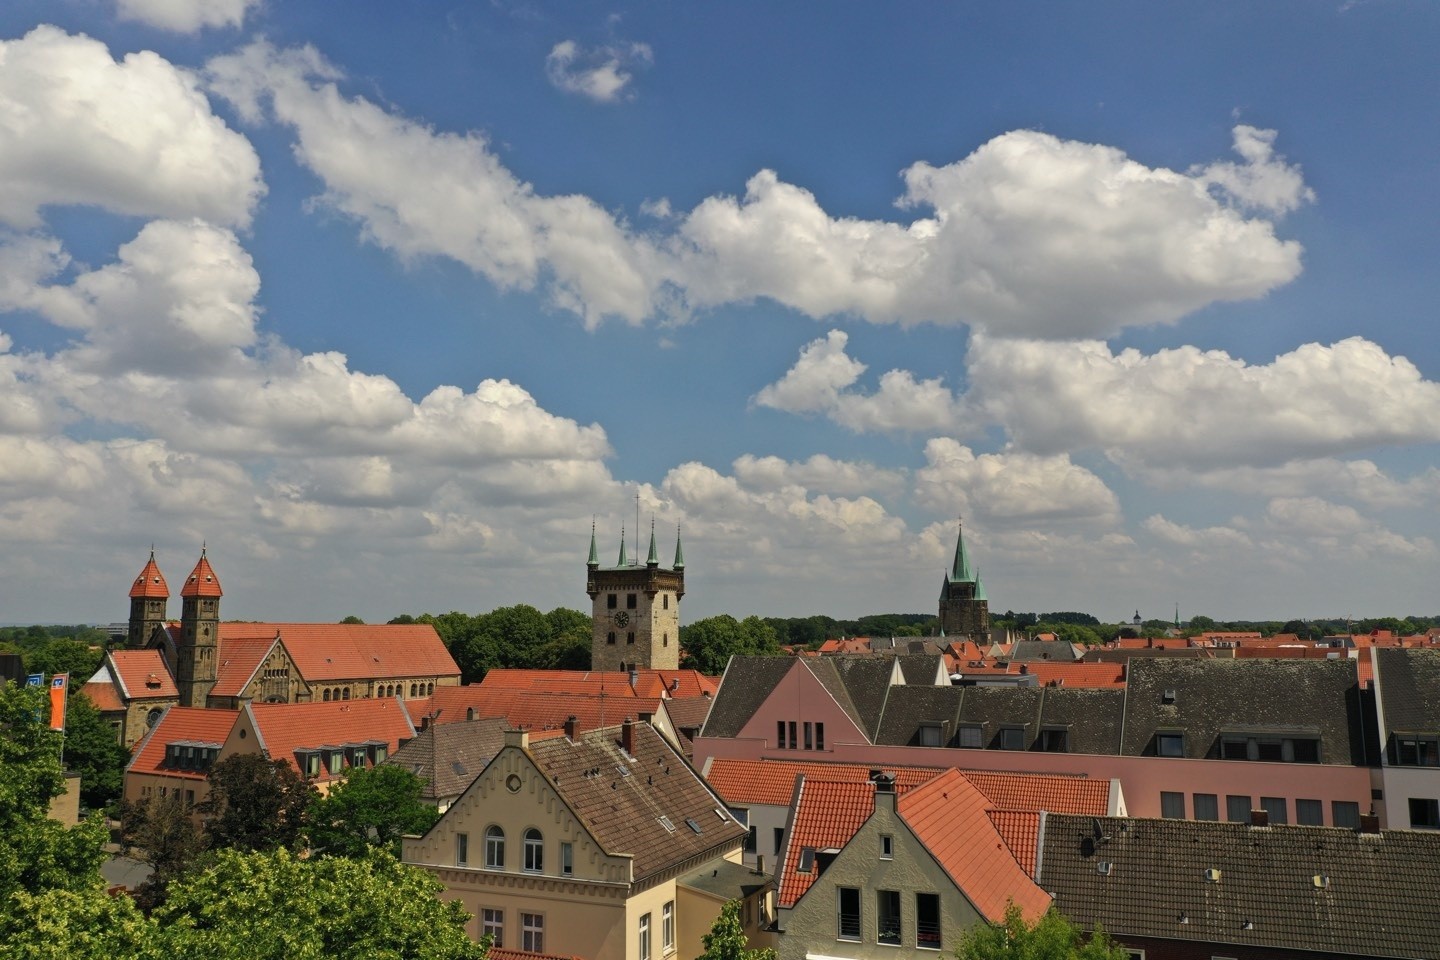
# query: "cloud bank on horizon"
(161, 393)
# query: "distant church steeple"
(964, 608)
(199, 642)
(635, 609)
(148, 598)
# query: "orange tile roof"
(180, 723)
(240, 657)
(284, 728)
(142, 674)
(615, 683)
(827, 816)
(1087, 675)
(103, 694)
(1020, 829)
(202, 581)
(742, 782)
(1088, 796)
(150, 583)
(505, 953)
(344, 651)
(949, 816)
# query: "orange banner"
(59, 684)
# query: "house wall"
(143, 786)
(766, 819)
(1399, 785)
(696, 913)
(799, 697)
(810, 926)
(137, 718)
(1141, 778)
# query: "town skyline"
(386, 310)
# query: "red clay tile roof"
(743, 782)
(284, 728)
(1033, 791)
(949, 816)
(103, 694)
(1020, 829)
(504, 953)
(150, 583)
(326, 652)
(530, 709)
(689, 713)
(180, 723)
(615, 683)
(240, 657)
(1089, 675)
(202, 581)
(141, 674)
(827, 816)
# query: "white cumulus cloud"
(1011, 488)
(602, 74)
(186, 16)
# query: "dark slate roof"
(996, 707)
(1409, 688)
(743, 688)
(622, 812)
(1092, 716)
(823, 670)
(726, 880)
(920, 668)
(1059, 651)
(449, 756)
(867, 680)
(1307, 697)
(908, 707)
(1379, 900)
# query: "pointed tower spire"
(150, 583)
(979, 587)
(960, 570)
(653, 558)
(594, 560)
(621, 562)
(679, 563)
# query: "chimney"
(1259, 818)
(572, 727)
(627, 736)
(517, 738)
(1369, 823)
(885, 791)
(634, 677)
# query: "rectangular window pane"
(645, 937)
(1310, 813)
(1237, 809)
(750, 839)
(1234, 750)
(532, 932)
(462, 849)
(1277, 808)
(1305, 751)
(779, 840)
(1170, 744)
(848, 908)
(780, 734)
(929, 735)
(887, 916)
(667, 927)
(1207, 806)
(809, 736)
(492, 924)
(819, 735)
(1345, 813)
(790, 728)
(971, 737)
(1172, 805)
(1054, 741)
(567, 859)
(1012, 738)
(1424, 813)
(927, 921)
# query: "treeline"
(518, 636)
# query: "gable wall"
(799, 697)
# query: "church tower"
(148, 598)
(964, 608)
(198, 647)
(635, 609)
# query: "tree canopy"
(92, 751)
(518, 636)
(727, 941)
(1052, 937)
(710, 643)
(371, 807)
(255, 803)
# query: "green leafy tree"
(161, 832)
(64, 655)
(371, 807)
(1052, 937)
(275, 906)
(352, 619)
(92, 751)
(727, 941)
(710, 643)
(255, 803)
(76, 925)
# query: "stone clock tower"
(635, 609)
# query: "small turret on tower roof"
(202, 581)
(679, 553)
(594, 560)
(621, 562)
(151, 583)
(653, 558)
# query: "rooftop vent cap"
(1104, 867)
(1212, 875)
(1168, 696)
(1320, 881)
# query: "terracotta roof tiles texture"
(344, 651)
(142, 674)
(1020, 829)
(239, 659)
(103, 694)
(202, 581)
(827, 815)
(1032, 791)
(180, 723)
(621, 798)
(648, 683)
(689, 713)
(949, 816)
(286, 727)
(505, 953)
(151, 583)
(772, 782)
(531, 709)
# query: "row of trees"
(344, 900)
(518, 636)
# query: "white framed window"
(567, 859)
(462, 849)
(492, 925)
(534, 851)
(494, 847)
(667, 927)
(887, 847)
(645, 937)
(532, 932)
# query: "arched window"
(494, 847)
(345, 694)
(412, 690)
(469, 713)
(534, 851)
(429, 689)
(326, 695)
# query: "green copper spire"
(653, 559)
(621, 562)
(594, 560)
(980, 587)
(960, 571)
(679, 554)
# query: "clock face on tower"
(622, 618)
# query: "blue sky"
(384, 303)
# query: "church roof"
(202, 581)
(240, 657)
(141, 674)
(960, 569)
(326, 652)
(151, 583)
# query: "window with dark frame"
(1309, 813)
(462, 849)
(927, 921)
(1416, 751)
(847, 909)
(1055, 740)
(971, 737)
(1172, 805)
(1169, 744)
(819, 735)
(887, 917)
(1345, 813)
(1207, 806)
(1277, 809)
(1424, 813)
(1237, 809)
(534, 851)
(610, 601)
(630, 601)
(1012, 738)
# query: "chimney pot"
(1369, 823)
(1259, 818)
(627, 736)
(572, 726)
